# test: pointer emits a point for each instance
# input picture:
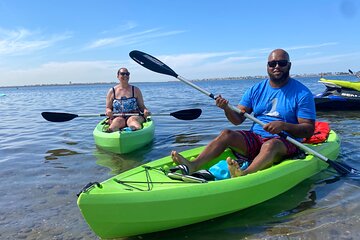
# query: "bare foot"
(234, 168)
(178, 159)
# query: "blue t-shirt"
(287, 104)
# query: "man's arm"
(234, 117)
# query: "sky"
(86, 41)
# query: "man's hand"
(221, 102)
(274, 127)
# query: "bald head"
(278, 54)
(278, 67)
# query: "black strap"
(114, 92)
(132, 88)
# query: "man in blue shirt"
(281, 102)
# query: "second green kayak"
(145, 199)
(124, 141)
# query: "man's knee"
(274, 146)
(227, 134)
(230, 136)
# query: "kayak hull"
(144, 199)
(122, 142)
(337, 103)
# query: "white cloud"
(328, 59)
(311, 46)
(191, 65)
(210, 65)
(122, 28)
(23, 41)
(231, 60)
(62, 73)
(129, 39)
(193, 58)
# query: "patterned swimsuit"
(124, 104)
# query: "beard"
(281, 78)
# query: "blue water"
(44, 165)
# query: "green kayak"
(145, 199)
(124, 141)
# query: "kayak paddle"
(187, 114)
(156, 65)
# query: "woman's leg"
(116, 124)
(135, 122)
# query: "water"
(44, 165)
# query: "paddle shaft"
(117, 115)
(186, 114)
(175, 114)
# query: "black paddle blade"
(151, 63)
(343, 169)
(188, 114)
(351, 71)
(58, 117)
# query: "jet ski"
(339, 95)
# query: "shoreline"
(195, 80)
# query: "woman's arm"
(109, 102)
(141, 104)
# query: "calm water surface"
(44, 165)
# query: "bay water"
(43, 165)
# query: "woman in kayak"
(281, 102)
(125, 98)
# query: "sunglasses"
(281, 63)
(125, 74)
